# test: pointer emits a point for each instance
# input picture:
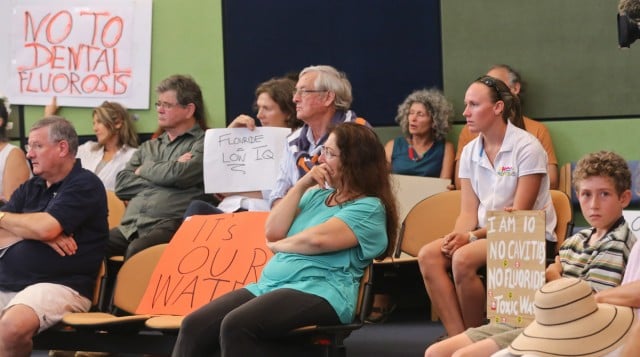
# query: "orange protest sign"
(207, 257)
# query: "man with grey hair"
(322, 98)
(53, 232)
(165, 173)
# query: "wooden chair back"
(428, 220)
(116, 209)
(134, 277)
(564, 216)
(97, 302)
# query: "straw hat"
(569, 322)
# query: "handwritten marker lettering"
(237, 161)
(241, 160)
(62, 57)
(516, 254)
(215, 255)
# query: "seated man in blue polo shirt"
(53, 233)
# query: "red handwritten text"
(73, 54)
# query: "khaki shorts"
(49, 301)
(501, 334)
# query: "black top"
(79, 204)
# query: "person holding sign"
(599, 254)
(503, 168)
(117, 141)
(322, 97)
(53, 232)
(14, 168)
(326, 230)
(274, 108)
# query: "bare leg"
(632, 347)
(484, 348)
(449, 346)
(18, 324)
(382, 307)
(471, 293)
(434, 267)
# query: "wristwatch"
(472, 237)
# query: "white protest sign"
(633, 220)
(515, 265)
(82, 51)
(240, 160)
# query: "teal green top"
(405, 162)
(333, 276)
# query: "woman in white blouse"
(14, 169)
(117, 141)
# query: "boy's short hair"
(604, 164)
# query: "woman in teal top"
(428, 165)
(323, 238)
(423, 150)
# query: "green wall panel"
(566, 51)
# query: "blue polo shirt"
(79, 204)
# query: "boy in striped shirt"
(599, 254)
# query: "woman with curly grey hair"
(423, 150)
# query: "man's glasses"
(491, 83)
(304, 92)
(34, 147)
(166, 105)
(38, 146)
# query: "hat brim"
(594, 335)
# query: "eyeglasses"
(304, 92)
(36, 147)
(491, 83)
(166, 105)
(328, 154)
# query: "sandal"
(380, 314)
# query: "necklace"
(413, 154)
